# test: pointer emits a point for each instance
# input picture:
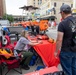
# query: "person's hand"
(55, 54)
(34, 41)
(39, 42)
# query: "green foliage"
(8, 17)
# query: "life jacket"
(51, 40)
(7, 53)
(43, 25)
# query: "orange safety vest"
(43, 25)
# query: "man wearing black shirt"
(64, 36)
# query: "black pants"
(32, 28)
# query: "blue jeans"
(68, 62)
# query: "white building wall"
(44, 8)
(48, 4)
(74, 4)
(59, 3)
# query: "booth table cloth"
(46, 51)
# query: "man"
(64, 37)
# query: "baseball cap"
(65, 7)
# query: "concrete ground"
(32, 68)
(51, 33)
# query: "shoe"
(26, 67)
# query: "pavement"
(51, 33)
(32, 68)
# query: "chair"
(8, 45)
(0, 66)
(11, 63)
(7, 31)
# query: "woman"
(19, 48)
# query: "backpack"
(72, 23)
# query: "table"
(46, 51)
(44, 71)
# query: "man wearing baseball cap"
(64, 43)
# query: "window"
(40, 1)
(62, 3)
(55, 4)
(71, 5)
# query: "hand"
(39, 42)
(34, 41)
(55, 54)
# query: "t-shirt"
(21, 44)
(64, 27)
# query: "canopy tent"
(48, 18)
(52, 17)
(27, 8)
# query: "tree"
(8, 17)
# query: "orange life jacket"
(5, 53)
(43, 25)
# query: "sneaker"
(26, 67)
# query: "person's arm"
(59, 41)
(34, 43)
(60, 34)
(26, 41)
